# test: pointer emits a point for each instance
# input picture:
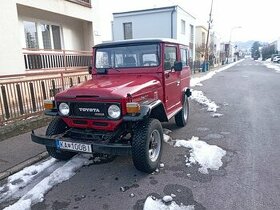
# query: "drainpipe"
(174, 9)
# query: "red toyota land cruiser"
(135, 85)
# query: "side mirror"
(178, 66)
(90, 69)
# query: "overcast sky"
(259, 20)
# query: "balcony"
(39, 59)
(86, 3)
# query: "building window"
(127, 30)
(42, 36)
(170, 57)
(192, 33)
(31, 35)
(56, 37)
(183, 27)
(46, 35)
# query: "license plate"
(73, 146)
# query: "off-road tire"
(141, 144)
(181, 118)
(58, 126)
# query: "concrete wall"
(145, 24)
(58, 6)
(11, 59)
(75, 21)
(198, 33)
(189, 20)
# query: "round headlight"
(114, 111)
(64, 109)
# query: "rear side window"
(170, 57)
(184, 57)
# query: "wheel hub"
(154, 145)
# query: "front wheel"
(58, 126)
(181, 118)
(147, 145)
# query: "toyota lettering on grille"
(95, 110)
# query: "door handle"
(167, 75)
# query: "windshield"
(141, 55)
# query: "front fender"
(154, 109)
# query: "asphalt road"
(249, 131)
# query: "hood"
(112, 86)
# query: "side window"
(184, 57)
(169, 57)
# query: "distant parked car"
(273, 56)
(276, 59)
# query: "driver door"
(173, 93)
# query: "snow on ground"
(217, 115)
(196, 81)
(207, 156)
(152, 203)
(23, 178)
(63, 173)
(271, 65)
(200, 98)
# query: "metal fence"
(22, 95)
(38, 59)
(195, 66)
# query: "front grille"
(90, 110)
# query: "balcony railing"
(86, 3)
(37, 59)
(22, 95)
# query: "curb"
(18, 127)
(22, 165)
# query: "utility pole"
(206, 55)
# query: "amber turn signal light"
(132, 108)
(48, 104)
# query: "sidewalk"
(19, 151)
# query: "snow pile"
(23, 178)
(36, 194)
(200, 98)
(272, 66)
(217, 115)
(152, 203)
(207, 156)
(196, 81)
(166, 138)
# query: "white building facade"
(166, 22)
(47, 25)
